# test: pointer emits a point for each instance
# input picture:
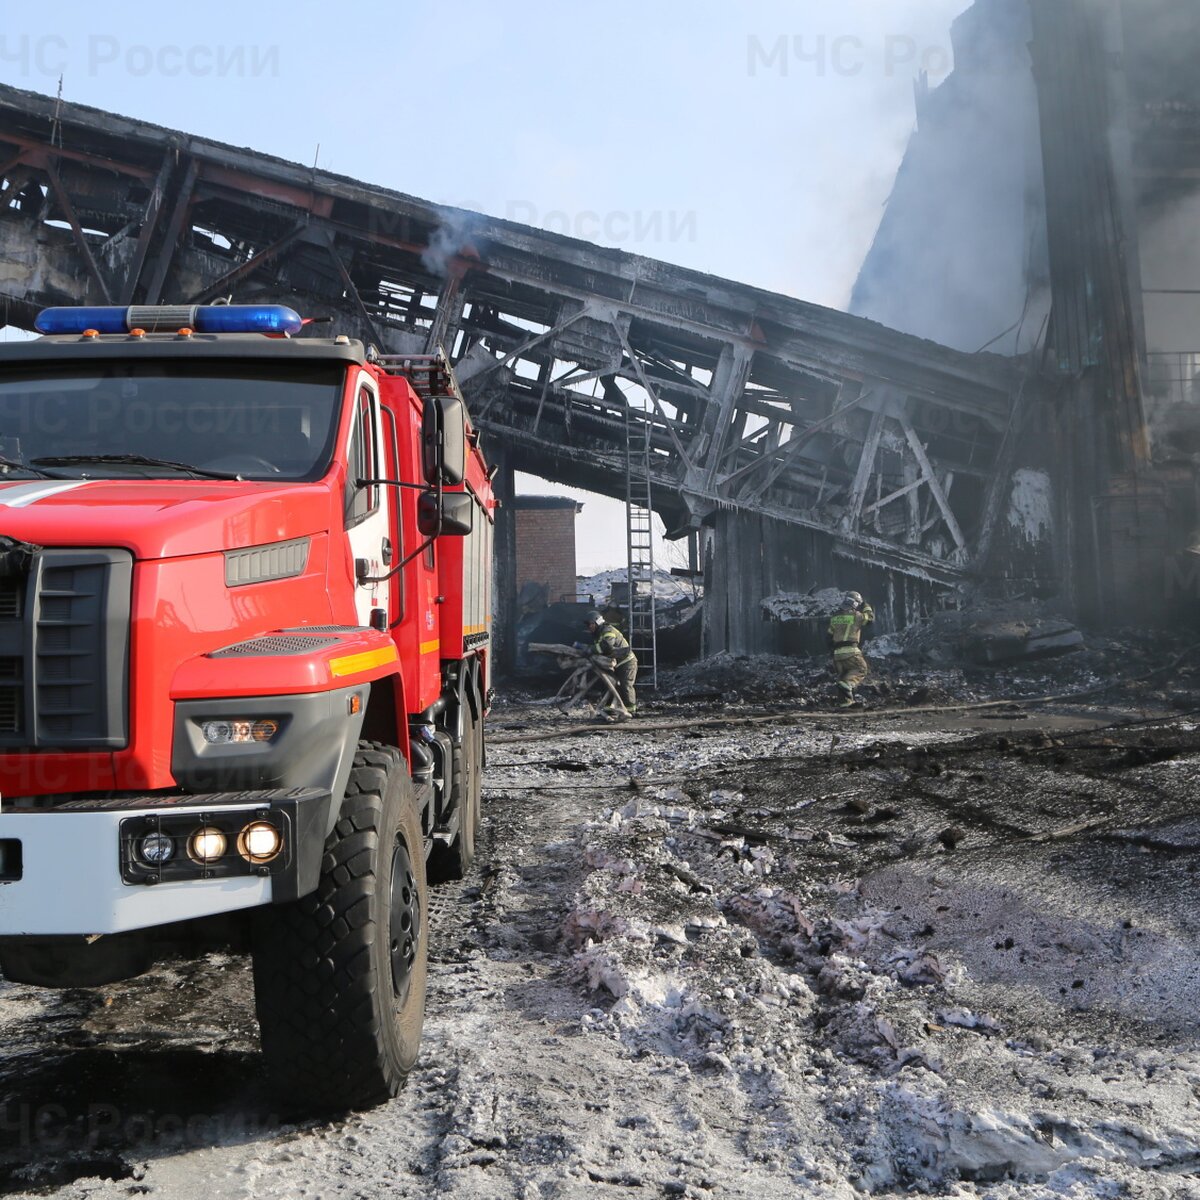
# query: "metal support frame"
(729, 382)
(786, 456)
(650, 392)
(170, 242)
(866, 467)
(940, 496)
(231, 278)
(352, 291)
(154, 203)
(64, 202)
(709, 358)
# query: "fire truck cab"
(245, 583)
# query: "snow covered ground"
(818, 956)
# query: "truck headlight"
(156, 849)
(207, 844)
(259, 842)
(239, 732)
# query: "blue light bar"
(76, 320)
(209, 318)
(247, 318)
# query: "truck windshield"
(253, 420)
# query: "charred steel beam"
(64, 203)
(351, 290)
(154, 204)
(530, 316)
(162, 264)
(787, 454)
(252, 264)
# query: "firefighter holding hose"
(844, 635)
(612, 653)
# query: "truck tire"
(340, 974)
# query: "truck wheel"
(339, 975)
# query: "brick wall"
(546, 550)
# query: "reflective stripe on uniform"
(612, 644)
(844, 631)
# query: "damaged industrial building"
(755, 939)
(1009, 413)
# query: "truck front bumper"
(79, 868)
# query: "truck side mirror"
(454, 439)
(458, 513)
(444, 440)
(454, 517)
(429, 518)
(431, 440)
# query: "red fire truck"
(244, 664)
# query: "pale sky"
(757, 140)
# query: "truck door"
(367, 522)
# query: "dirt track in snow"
(956, 955)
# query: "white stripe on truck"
(22, 495)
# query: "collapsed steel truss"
(891, 445)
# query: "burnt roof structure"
(889, 446)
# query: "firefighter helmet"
(593, 616)
(854, 598)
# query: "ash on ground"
(744, 949)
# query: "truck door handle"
(386, 551)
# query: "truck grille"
(10, 599)
(12, 699)
(64, 651)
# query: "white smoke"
(455, 233)
(960, 254)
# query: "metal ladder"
(639, 530)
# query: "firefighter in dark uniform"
(608, 643)
(845, 640)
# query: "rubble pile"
(732, 678)
(980, 632)
(990, 634)
(816, 605)
(734, 681)
(986, 654)
(923, 999)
